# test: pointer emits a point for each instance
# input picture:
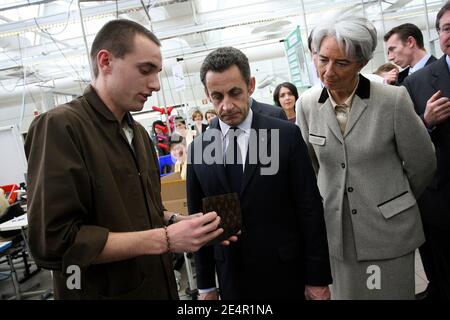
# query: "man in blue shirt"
(405, 48)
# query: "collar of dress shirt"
(250, 102)
(348, 102)
(244, 125)
(447, 58)
(419, 65)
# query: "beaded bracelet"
(167, 238)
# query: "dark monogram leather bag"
(228, 208)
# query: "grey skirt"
(391, 279)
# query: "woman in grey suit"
(373, 157)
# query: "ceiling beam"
(42, 34)
(26, 4)
(108, 8)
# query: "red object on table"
(160, 110)
(162, 128)
(9, 189)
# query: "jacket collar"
(359, 104)
(362, 91)
(98, 105)
(250, 169)
(440, 67)
(215, 123)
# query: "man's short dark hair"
(292, 88)
(404, 31)
(223, 58)
(441, 12)
(117, 36)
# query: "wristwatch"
(173, 219)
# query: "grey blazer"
(383, 162)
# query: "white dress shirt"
(419, 65)
(242, 138)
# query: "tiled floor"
(42, 281)
(45, 281)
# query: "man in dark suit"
(430, 91)
(112, 235)
(267, 109)
(405, 48)
(282, 250)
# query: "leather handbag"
(228, 208)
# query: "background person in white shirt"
(405, 48)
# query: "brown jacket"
(84, 180)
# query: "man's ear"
(104, 59)
(251, 85)
(411, 41)
(207, 94)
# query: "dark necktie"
(233, 161)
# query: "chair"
(165, 161)
(8, 251)
(17, 248)
(13, 211)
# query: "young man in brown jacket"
(95, 209)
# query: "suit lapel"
(254, 106)
(441, 77)
(250, 168)
(218, 169)
(402, 75)
(358, 107)
(329, 115)
(431, 60)
(358, 104)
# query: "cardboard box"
(173, 193)
(178, 206)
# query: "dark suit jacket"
(405, 73)
(283, 243)
(261, 108)
(435, 202)
(268, 110)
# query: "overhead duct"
(397, 5)
(272, 27)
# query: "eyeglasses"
(444, 30)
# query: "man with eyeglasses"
(430, 91)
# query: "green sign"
(296, 59)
